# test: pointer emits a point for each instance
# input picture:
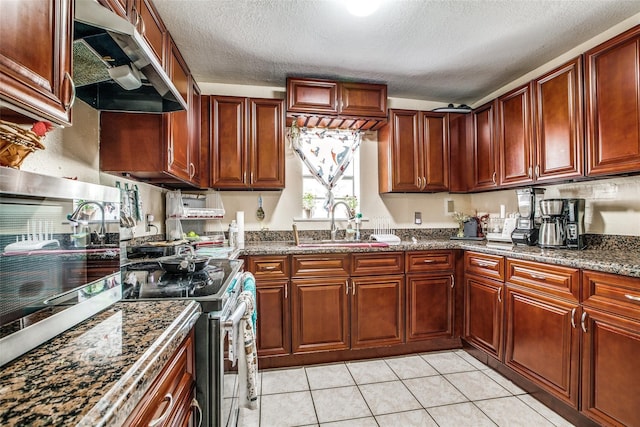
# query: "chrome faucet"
(74, 218)
(334, 229)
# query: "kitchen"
(614, 204)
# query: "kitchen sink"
(342, 243)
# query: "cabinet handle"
(500, 295)
(285, 292)
(582, 320)
(346, 285)
(493, 178)
(537, 171)
(245, 177)
(252, 181)
(134, 11)
(69, 104)
(196, 405)
(192, 167)
(165, 413)
(424, 182)
(353, 289)
(573, 320)
(529, 172)
(453, 281)
(632, 297)
(538, 276)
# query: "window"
(330, 161)
(348, 185)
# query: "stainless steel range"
(216, 286)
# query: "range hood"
(113, 67)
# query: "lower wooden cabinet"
(483, 314)
(377, 311)
(320, 314)
(170, 396)
(274, 324)
(430, 306)
(542, 341)
(610, 348)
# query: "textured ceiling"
(449, 51)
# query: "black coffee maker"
(528, 223)
(574, 225)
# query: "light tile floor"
(448, 388)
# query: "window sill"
(325, 220)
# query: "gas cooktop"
(147, 280)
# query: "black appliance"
(575, 231)
(528, 223)
(216, 287)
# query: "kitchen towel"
(249, 284)
(248, 359)
(240, 222)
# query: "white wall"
(613, 206)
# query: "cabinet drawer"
(320, 265)
(176, 379)
(554, 279)
(421, 261)
(378, 263)
(484, 265)
(269, 267)
(612, 292)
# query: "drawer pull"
(500, 295)
(632, 297)
(165, 413)
(346, 287)
(196, 406)
(484, 264)
(428, 261)
(269, 267)
(582, 320)
(573, 320)
(538, 276)
(453, 281)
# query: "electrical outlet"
(417, 218)
(449, 207)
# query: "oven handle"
(233, 320)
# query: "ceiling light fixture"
(462, 109)
(362, 7)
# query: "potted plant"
(308, 202)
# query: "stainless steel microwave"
(59, 256)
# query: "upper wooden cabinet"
(246, 143)
(485, 148)
(344, 105)
(514, 137)
(612, 88)
(150, 26)
(413, 152)
(35, 58)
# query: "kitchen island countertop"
(624, 261)
(95, 373)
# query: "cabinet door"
(363, 99)
(484, 314)
(35, 58)
(543, 342)
(319, 314)
(312, 96)
(178, 162)
(150, 26)
(229, 160)
(558, 123)
(435, 151)
(610, 368)
(429, 306)
(399, 153)
(274, 325)
(612, 88)
(377, 311)
(198, 163)
(514, 137)
(266, 139)
(485, 152)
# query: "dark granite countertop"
(622, 260)
(95, 373)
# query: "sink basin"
(342, 243)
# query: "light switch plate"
(417, 218)
(449, 207)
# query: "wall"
(613, 207)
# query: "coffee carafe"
(528, 223)
(552, 229)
